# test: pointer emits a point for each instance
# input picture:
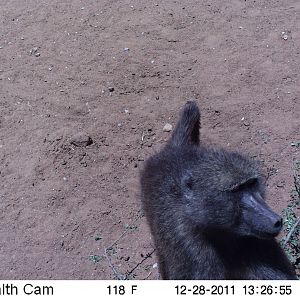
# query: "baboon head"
(256, 217)
(221, 189)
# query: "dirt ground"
(86, 88)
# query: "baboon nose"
(278, 224)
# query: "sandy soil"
(86, 88)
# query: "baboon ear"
(186, 131)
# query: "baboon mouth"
(265, 235)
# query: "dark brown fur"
(199, 205)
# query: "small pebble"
(33, 50)
(81, 140)
(168, 127)
(284, 35)
(126, 49)
(280, 184)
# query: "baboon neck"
(220, 238)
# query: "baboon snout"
(276, 224)
(260, 217)
(270, 221)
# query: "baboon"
(207, 213)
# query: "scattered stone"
(98, 237)
(295, 144)
(126, 111)
(155, 266)
(245, 122)
(81, 140)
(37, 54)
(33, 50)
(126, 49)
(168, 127)
(284, 35)
(111, 89)
(280, 184)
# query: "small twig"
(297, 185)
(117, 274)
(147, 276)
(143, 136)
(138, 264)
(124, 232)
(291, 232)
